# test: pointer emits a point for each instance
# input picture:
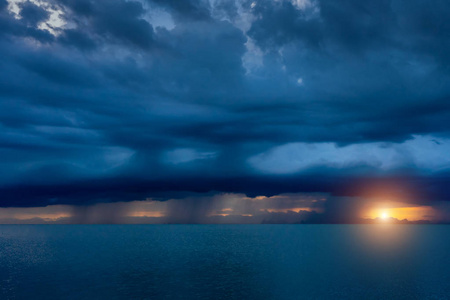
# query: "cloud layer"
(126, 100)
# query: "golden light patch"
(258, 198)
(285, 210)
(149, 214)
(47, 217)
(222, 215)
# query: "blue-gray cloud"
(124, 100)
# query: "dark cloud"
(127, 100)
(3, 5)
(33, 14)
(117, 22)
(187, 10)
(415, 190)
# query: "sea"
(379, 261)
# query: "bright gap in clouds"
(426, 153)
(52, 24)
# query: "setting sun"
(388, 209)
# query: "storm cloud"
(112, 101)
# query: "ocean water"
(224, 262)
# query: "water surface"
(224, 262)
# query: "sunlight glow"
(398, 210)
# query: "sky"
(224, 111)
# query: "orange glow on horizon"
(401, 211)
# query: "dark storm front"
(224, 262)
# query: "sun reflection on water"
(383, 237)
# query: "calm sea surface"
(224, 262)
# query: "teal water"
(224, 262)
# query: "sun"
(384, 216)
